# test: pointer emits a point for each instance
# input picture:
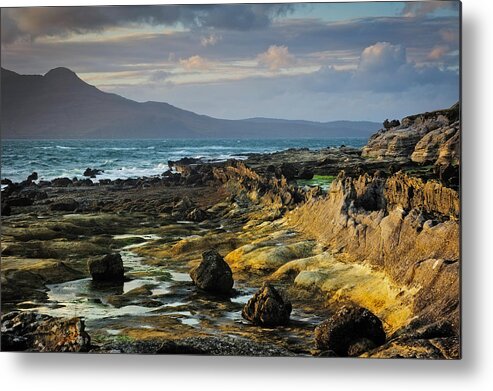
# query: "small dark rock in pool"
(351, 331)
(213, 274)
(267, 308)
(108, 268)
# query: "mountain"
(59, 105)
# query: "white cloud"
(194, 63)
(382, 56)
(276, 58)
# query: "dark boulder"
(289, 170)
(213, 274)
(108, 268)
(92, 172)
(32, 177)
(20, 201)
(61, 182)
(197, 215)
(32, 331)
(267, 308)
(348, 329)
(6, 209)
(65, 205)
(391, 124)
(305, 173)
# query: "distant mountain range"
(59, 105)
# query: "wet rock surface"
(350, 331)
(42, 333)
(108, 268)
(213, 274)
(267, 308)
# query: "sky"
(320, 62)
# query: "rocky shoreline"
(337, 252)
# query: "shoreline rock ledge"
(213, 274)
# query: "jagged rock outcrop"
(32, 331)
(267, 308)
(404, 226)
(428, 138)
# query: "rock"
(92, 172)
(349, 326)
(65, 205)
(20, 201)
(32, 331)
(197, 215)
(32, 177)
(267, 308)
(289, 171)
(6, 210)
(391, 124)
(420, 138)
(213, 274)
(108, 268)
(361, 346)
(305, 173)
(61, 182)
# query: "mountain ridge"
(60, 105)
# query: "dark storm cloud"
(33, 22)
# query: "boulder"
(197, 215)
(108, 268)
(32, 331)
(32, 177)
(305, 173)
(350, 330)
(213, 274)
(61, 182)
(65, 205)
(20, 201)
(92, 172)
(267, 308)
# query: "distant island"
(59, 105)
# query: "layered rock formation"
(428, 138)
(401, 225)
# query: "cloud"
(194, 63)
(382, 56)
(438, 52)
(276, 58)
(424, 8)
(33, 22)
(383, 68)
(210, 40)
(159, 76)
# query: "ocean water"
(134, 158)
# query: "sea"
(135, 158)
